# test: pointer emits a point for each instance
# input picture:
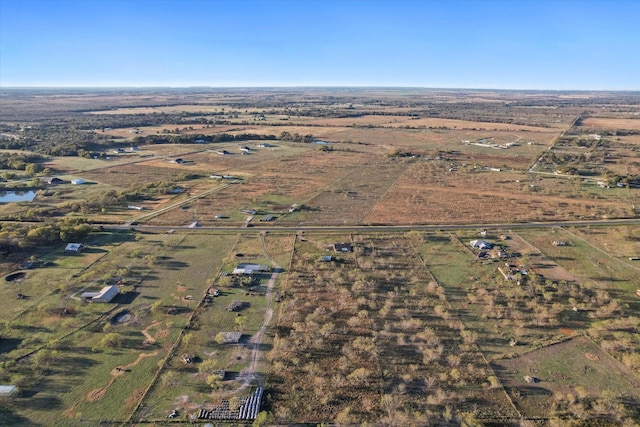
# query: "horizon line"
(46, 87)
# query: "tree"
(263, 418)
(32, 169)
(214, 381)
(110, 341)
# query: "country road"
(378, 228)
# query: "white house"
(480, 244)
(248, 269)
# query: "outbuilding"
(248, 269)
(73, 248)
(106, 294)
(8, 390)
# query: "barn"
(106, 294)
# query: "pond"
(17, 196)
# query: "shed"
(7, 390)
(73, 248)
(54, 181)
(78, 181)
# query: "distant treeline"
(55, 140)
(191, 138)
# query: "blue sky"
(502, 44)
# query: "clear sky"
(503, 44)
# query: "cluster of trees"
(29, 163)
(190, 138)
(396, 351)
(296, 137)
(19, 237)
(54, 140)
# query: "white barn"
(106, 294)
(248, 269)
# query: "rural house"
(480, 244)
(78, 181)
(342, 247)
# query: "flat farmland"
(348, 199)
(470, 125)
(409, 325)
(273, 187)
(612, 123)
(429, 192)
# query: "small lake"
(17, 196)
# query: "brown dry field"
(124, 176)
(295, 179)
(364, 185)
(623, 160)
(431, 194)
(467, 124)
(611, 123)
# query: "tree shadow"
(7, 345)
(127, 297)
(8, 417)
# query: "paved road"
(380, 228)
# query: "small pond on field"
(17, 196)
